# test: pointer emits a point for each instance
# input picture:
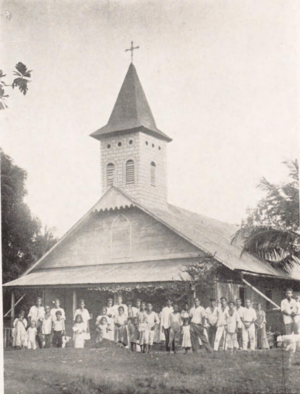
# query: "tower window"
(108, 146)
(153, 174)
(119, 144)
(110, 170)
(130, 172)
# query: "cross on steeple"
(131, 49)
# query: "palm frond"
(22, 71)
(22, 84)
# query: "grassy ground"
(111, 369)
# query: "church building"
(132, 238)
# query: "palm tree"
(271, 230)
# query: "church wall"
(103, 240)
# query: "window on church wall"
(153, 174)
(130, 175)
(110, 171)
(121, 237)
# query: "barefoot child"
(186, 335)
(232, 319)
(79, 330)
(133, 330)
(19, 331)
(58, 325)
(121, 326)
(141, 316)
(102, 329)
(31, 336)
(46, 327)
(175, 323)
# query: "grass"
(113, 370)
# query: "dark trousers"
(197, 331)
(211, 332)
(47, 340)
(167, 335)
(57, 339)
(240, 338)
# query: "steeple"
(131, 111)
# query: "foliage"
(22, 81)
(271, 230)
(23, 241)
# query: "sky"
(221, 78)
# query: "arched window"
(152, 174)
(130, 172)
(121, 237)
(110, 171)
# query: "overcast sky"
(220, 77)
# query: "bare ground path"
(115, 370)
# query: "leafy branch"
(21, 81)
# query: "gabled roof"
(207, 234)
(131, 111)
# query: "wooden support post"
(12, 307)
(74, 302)
(260, 293)
(115, 298)
(44, 297)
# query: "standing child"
(79, 330)
(141, 317)
(175, 323)
(19, 331)
(232, 319)
(58, 325)
(186, 335)
(261, 332)
(85, 318)
(133, 330)
(31, 335)
(297, 315)
(102, 329)
(47, 327)
(121, 326)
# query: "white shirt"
(231, 321)
(212, 316)
(135, 311)
(222, 316)
(288, 306)
(248, 314)
(47, 325)
(240, 312)
(116, 309)
(110, 311)
(36, 313)
(151, 319)
(197, 314)
(31, 334)
(165, 316)
(53, 313)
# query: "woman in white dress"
(19, 333)
(85, 318)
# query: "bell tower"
(133, 149)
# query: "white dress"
(79, 335)
(85, 317)
(186, 339)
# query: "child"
(58, 325)
(129, 309)
(297, 315)
(152, 321)
(270, 337)
(19, 331)
(186, 337)
(85, 318)
(175, 323)
(46, 327)
(102, 329)
(260, 324)
(31, 336)
(232, 319)
(79, 330)
(133, 330)
(141, 317)
(121, 326)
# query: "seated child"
(79, 330)
(133, 331)
(19, 331)
(31, 336)
(186, 335)
(58, 325)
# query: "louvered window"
(110, 170)
(153, 174)
(130, 172)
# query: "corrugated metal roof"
(151, 271)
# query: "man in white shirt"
(57, 308)
(221, 324)
(289, 310)
(212, 318)
(239, 308)
(85, 318)
(37, 313)
(136, 308)
(118, 304)
(248, 317)
(198, 316)
(165, 325)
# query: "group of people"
(228, 326)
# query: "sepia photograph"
(150, 219)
